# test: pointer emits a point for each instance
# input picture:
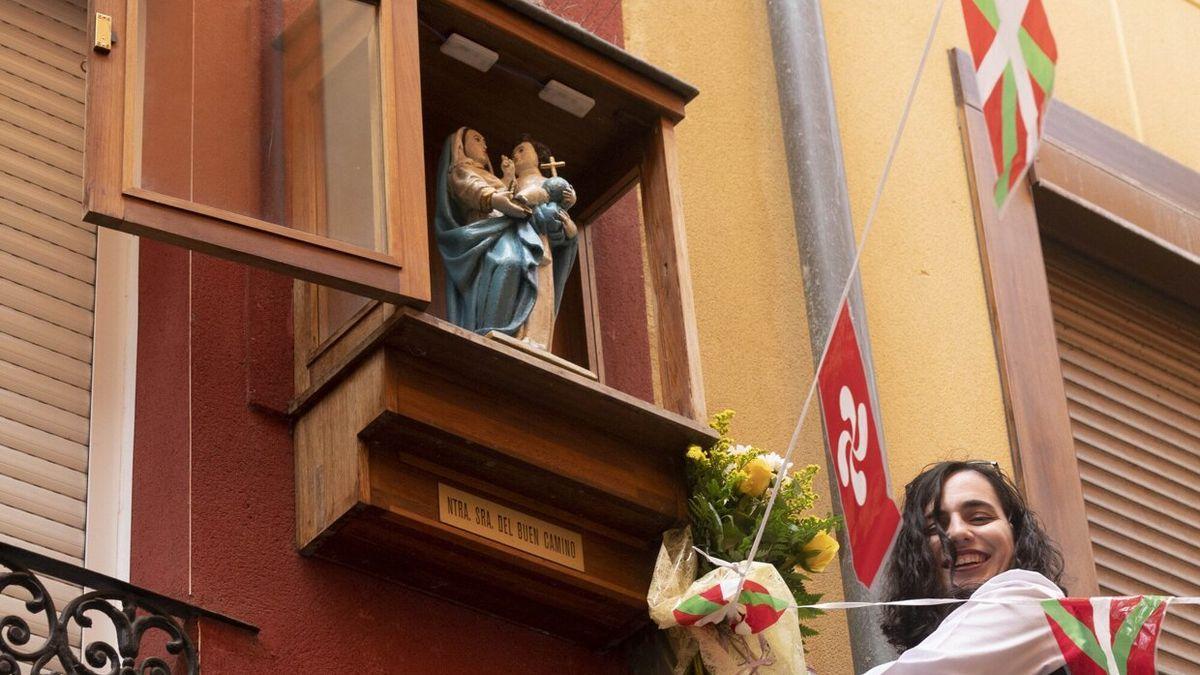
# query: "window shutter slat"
(43, 444)
(46, 361)
(1131, 366)
(46, 335)
(47, 293)
(35, 16)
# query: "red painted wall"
(620, 286)
(213, 494)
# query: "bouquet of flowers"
(730, 486)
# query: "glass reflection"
(270, 110)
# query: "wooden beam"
(104, 154)
(1128, 206)
(1154, 174)
(1014, 272)
(404, 150)
(576, 56)
(1116, 197)
(671, 284)
(1122, 245)
(591, 310)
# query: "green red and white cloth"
(755, 633)
(755, 611)
(1015, 55)
(1102, 636)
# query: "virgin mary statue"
(488, 241)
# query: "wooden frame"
(650, 103)
(373, 446)
(666, 249)
(115, 198)
(1141, 207)
(530, 25)
(1140, 210)
(1043, 448)
(319, 366)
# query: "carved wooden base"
(493, 478)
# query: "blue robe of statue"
(491, 263)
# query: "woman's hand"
(504, 203)
(568, 199)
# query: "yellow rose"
(823, 549)
(694, 452)
(758, 477)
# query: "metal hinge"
(104, 34)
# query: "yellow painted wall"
(1133, 64)
(935, 362)
(1162, 46)
(741, 241)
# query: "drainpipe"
(825, 234)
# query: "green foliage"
(726, 511)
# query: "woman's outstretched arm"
(983, 637)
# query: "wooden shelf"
(432, 407)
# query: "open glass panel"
(286, 130)
(281, 133)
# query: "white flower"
(736, 451)
(775, 461)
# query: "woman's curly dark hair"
(913, 572)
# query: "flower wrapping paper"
(769, 640)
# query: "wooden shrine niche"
(449, 461)
(304, 136)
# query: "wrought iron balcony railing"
(133, 612)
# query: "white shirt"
(990, 638)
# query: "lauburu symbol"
(852, 445)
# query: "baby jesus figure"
(548, 200)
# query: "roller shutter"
(1131, 364)
(47, 275)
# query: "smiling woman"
(967, 533)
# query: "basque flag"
(1099, 636)
(1015, 56)
(755, 611)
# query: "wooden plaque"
(509, 527)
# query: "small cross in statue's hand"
(553, 166)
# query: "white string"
(926, 602)
(887, 167)
(717, 562)
(732, 607)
